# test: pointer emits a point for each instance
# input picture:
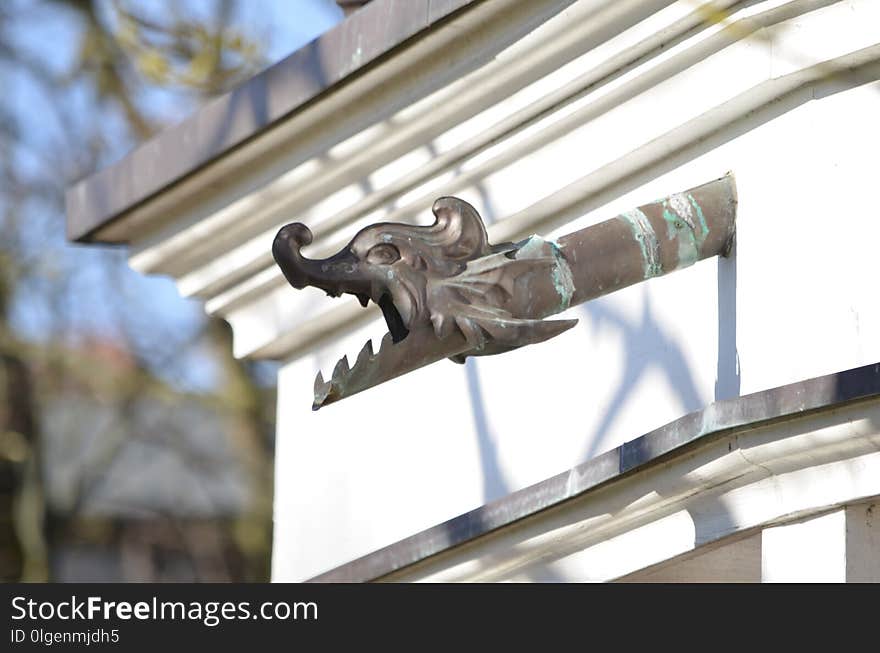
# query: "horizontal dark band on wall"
(722, 417)
(235, 117)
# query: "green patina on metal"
(644, 235)
(563, 282)
(685, 227)
(700, 216)
(680, 231)
(562, 279)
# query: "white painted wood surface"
(738, 561)
(838, 546)
(863, 543)
(608, 105)
(736, 485)
(812, 550)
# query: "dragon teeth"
(341, 368)
(387, 341)
(322, 391)
(365, 354)
(375, 365)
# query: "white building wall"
(608, 105)
(798, 299)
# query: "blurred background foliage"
(133, 446)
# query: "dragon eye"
(383, 254)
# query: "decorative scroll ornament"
(446, 292)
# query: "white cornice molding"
(573, 71)
(735, 485)
(377, 118)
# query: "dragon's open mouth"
(444, 291)
(404, 349)
(401, 350)
(396, 326)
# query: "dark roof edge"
(722, 417)
(231, 119)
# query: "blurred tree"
(93, 380)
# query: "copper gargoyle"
(446, 292)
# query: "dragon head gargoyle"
(443, 289)
(446, 292)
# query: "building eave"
(238, 116)
(674, 441)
